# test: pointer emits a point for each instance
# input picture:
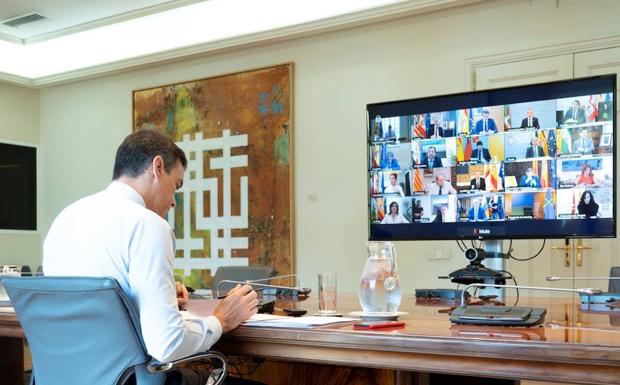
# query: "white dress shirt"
(435, 189)
(113, 234)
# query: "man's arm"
(152, 288)
(487, 155)
(451, 189)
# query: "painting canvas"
(234, 208)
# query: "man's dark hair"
(479, 144)
(138, 149)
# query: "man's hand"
(239, 305)
(182, 296)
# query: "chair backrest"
(614, 284)
(239, 273)
(81, 330)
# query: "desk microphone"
(506, 315)
(277, 288)
(554, 278)
(588, 291)
(597, 302)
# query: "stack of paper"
(276, 321)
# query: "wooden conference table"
(573, 346)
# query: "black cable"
(464, 244)
(237, 370)
(525, 259)
(460, 247)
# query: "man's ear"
(157, 167)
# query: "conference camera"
(475, 255)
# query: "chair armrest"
(155, 366)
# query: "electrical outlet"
(438, 255)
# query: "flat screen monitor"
(18, 187)
(536, 161)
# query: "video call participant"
(477, 182)
(418, 210)
(431, 160)
(436, 130)
(394, 187)
(441, 186)
(530, 121)
(587, 206)
(121, 232)
(486, 125)
(480, 153)
(575, 114)
(477, 213)
(534, 150)
(390, 162)
(529, 179)
(443, 215)
(586, 178)
(393, 216)
(389, 133)
(583, 144)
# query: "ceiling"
(67, 16)
(86, 38)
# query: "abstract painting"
(234, 208)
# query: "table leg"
(12, 362)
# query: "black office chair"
(239, 273)
(84, 330)
(614, 284)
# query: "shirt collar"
(126, 191)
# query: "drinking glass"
(327, 293)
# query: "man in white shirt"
(120, 232)
(441, 186)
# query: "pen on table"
(379, 325)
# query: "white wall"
(19, 124)
(336, 75)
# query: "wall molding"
(591, 44)
(17, 80)
(375, 15)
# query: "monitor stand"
(494, 247)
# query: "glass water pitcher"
(379, 289)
